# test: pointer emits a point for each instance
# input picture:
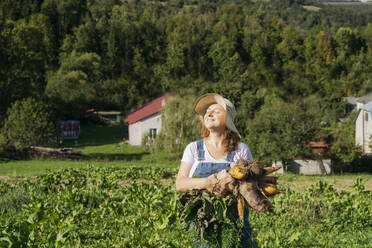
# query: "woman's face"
(214, 117)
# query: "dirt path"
(10, 179)
(338, 184)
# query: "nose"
(210, 113)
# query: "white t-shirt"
(190, 155)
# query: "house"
(363, 124)
(146, 118)
(357, 103)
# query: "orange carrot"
(241, 208)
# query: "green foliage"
(95, 207)
(318, 209)
(25, 60)
(279, 131)
(120, 54)
(117, 93)
(323, 111)
(349, 41)
(179, 125)
(73, 87)
(29, 122)
(213, 218)
(344, 150)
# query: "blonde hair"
(230, 141)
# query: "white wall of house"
(359, 105)
(140, 128)
(363, 130)
(135, 131)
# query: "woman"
(205, 162)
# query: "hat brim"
(204, 101)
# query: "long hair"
(230, 141)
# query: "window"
(153, 133)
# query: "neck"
(215, 138)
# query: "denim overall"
(205, 169)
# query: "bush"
(179, 126)
(28, 123)
(344, 152)
(280, 131)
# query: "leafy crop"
(213, 217)
(139, 207)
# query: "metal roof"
(147, 109)
(365, 99)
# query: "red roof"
(147, 109)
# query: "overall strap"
(230, 156)
(200, 150)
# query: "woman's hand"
(221, 183)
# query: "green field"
(127, 201)
(139, 207)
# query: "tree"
(73, 87)
(368, 35)
(348, 41)
(179, 125)
(118, 94)
(25, 60)
(250, 103)
(226, 60)
(64, 15)
(29, 123)
(15, 10)
(280, 131)
(344, 151)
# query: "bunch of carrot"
(214, 217)
(254, 186)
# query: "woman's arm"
(219, 183)
(184, 182)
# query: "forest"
(286, 68)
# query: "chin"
(214, 128)
(210, 127)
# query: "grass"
(28, 168)
(103, 147)
(340, 182)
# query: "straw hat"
(203, 102)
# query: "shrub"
(179, 126)
(344, 152)
(280, 131)
(28, 123)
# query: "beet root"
(254, 198)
